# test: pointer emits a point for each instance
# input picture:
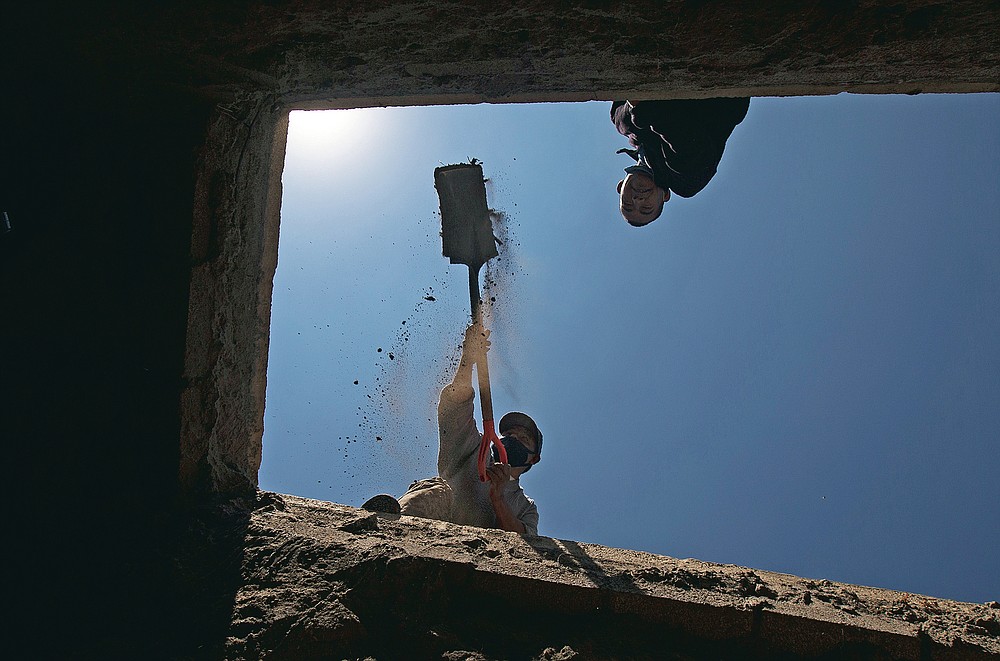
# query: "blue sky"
(796, 370)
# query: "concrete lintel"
(342, 102)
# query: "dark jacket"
(682, 140)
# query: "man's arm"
(621, 117)
(459, 437)
(474, 346)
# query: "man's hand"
(474, 346)
(634, 153)
(499, 476)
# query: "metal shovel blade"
(466, 229)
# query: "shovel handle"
(482, 363)
(485, 397)
(483, 374)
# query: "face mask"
(517, 454)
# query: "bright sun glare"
(312, 133)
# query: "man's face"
(525, 438)
(640, 200)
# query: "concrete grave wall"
(141, 159)
(321, 579)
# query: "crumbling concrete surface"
(321, 580)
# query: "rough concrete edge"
(326, 101)
(233, 258)
(797, 628)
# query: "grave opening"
(780, 373)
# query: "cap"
(518, 419)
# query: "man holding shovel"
(457, 494)
(472, 488)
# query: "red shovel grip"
(489, 436)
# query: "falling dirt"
(397, 425)
(502, 297)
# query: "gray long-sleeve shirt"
(457, 455)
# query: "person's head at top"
(522, 440)
(640, 200)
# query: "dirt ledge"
(321, 580)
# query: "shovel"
(467, 238)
